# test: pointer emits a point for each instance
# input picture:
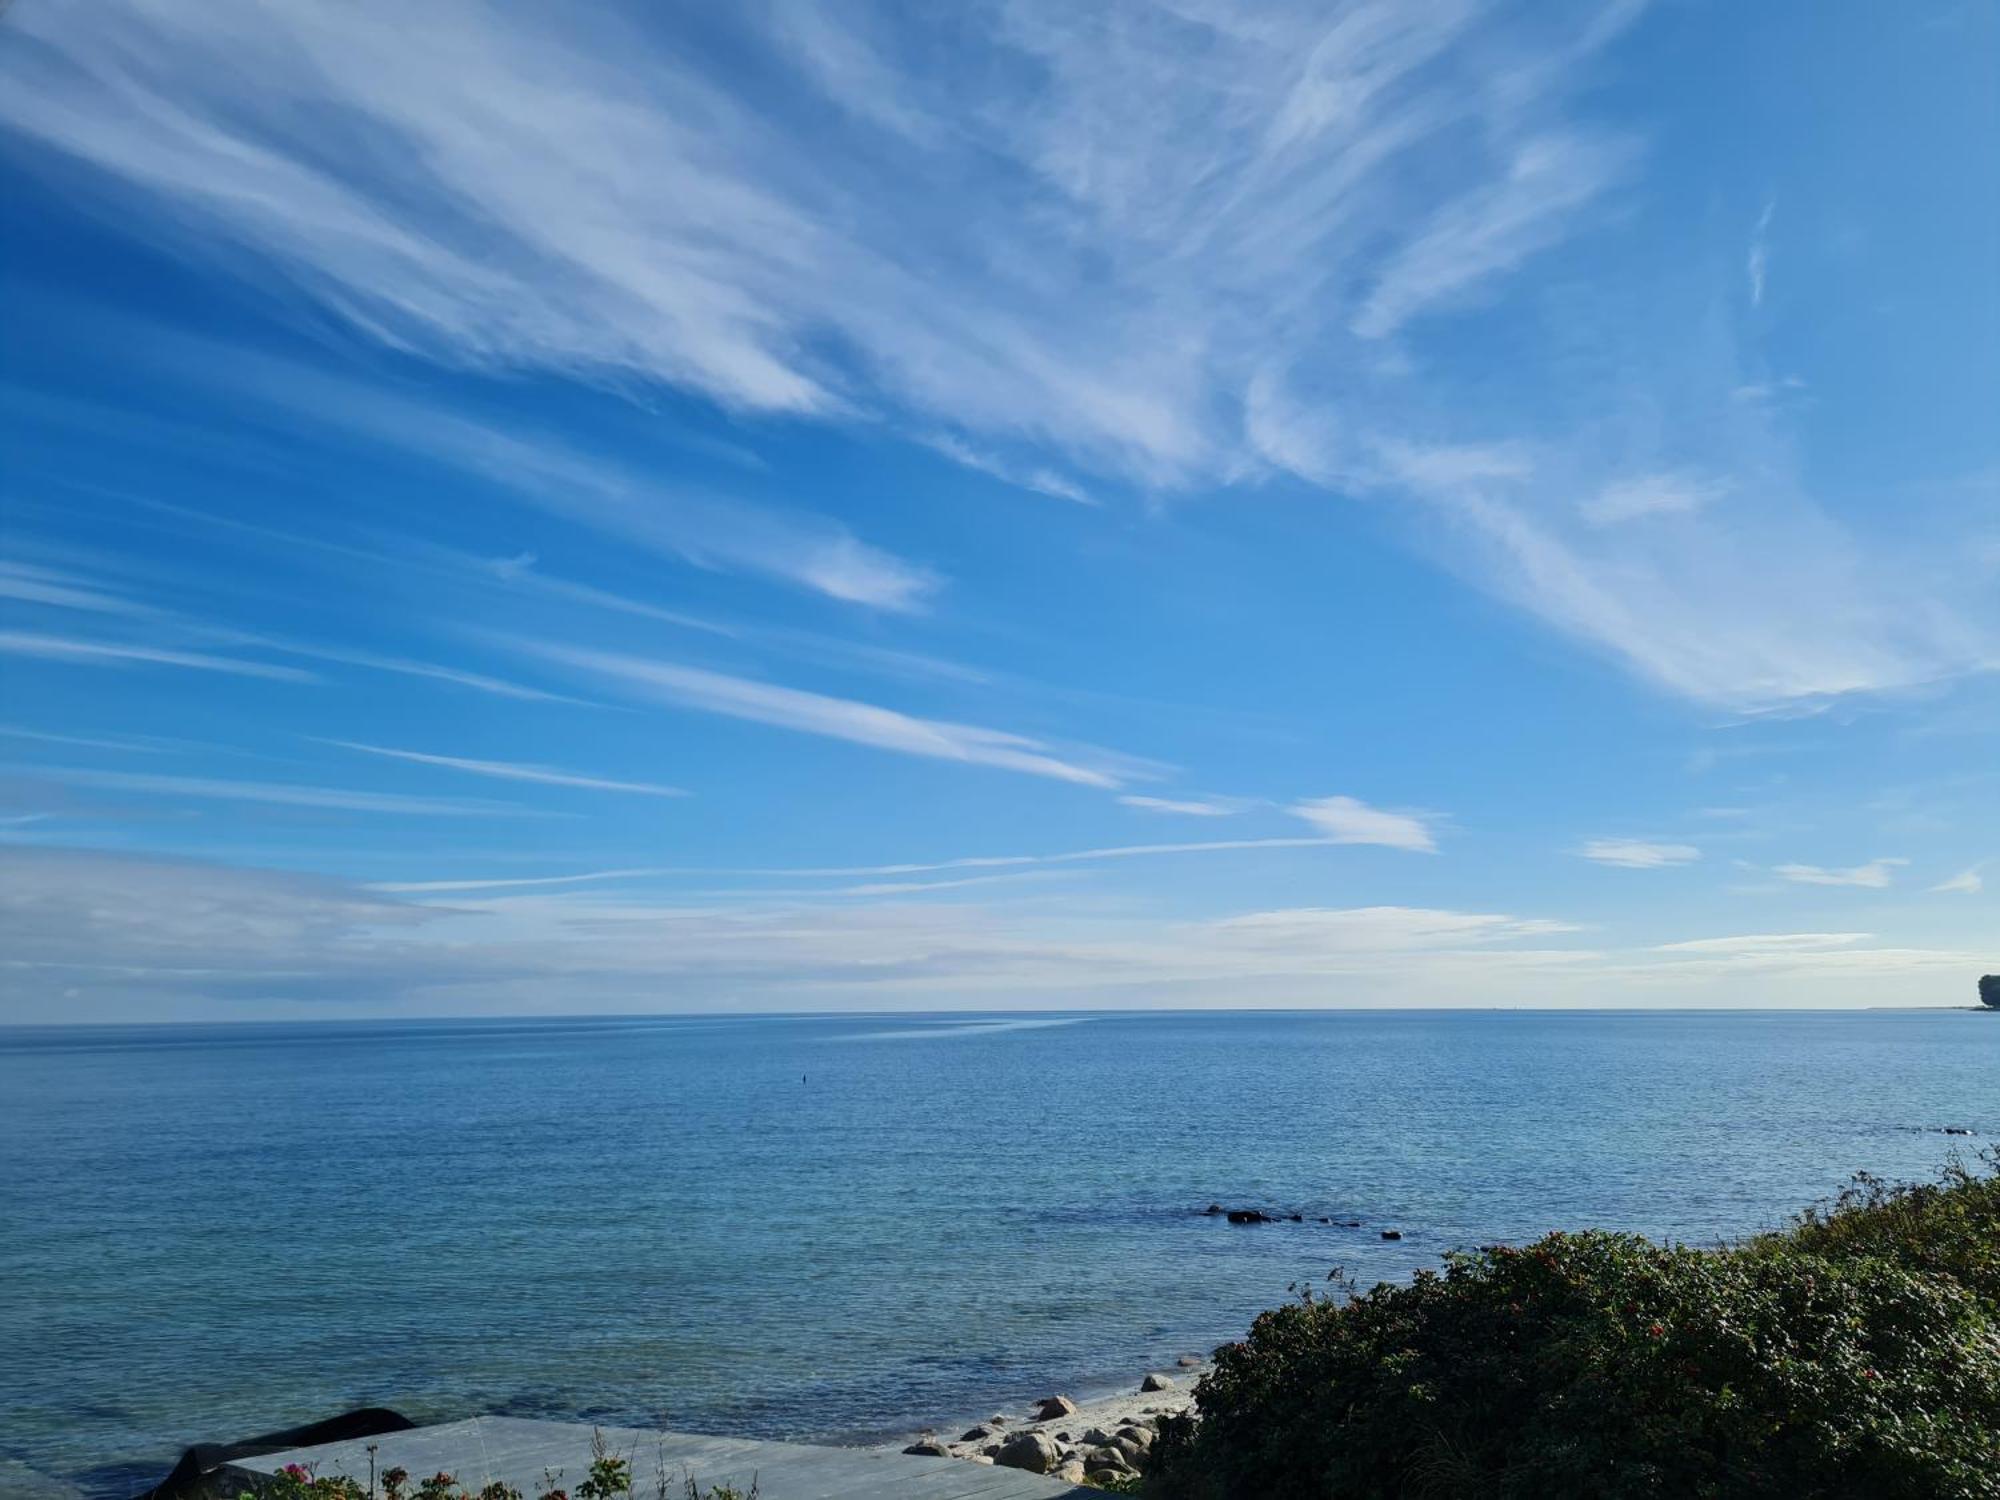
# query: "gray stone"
(1189, 1362)
(1069, 1471)
(1034, 1451)
(929, 1448)
(1049, 1408)
(977, 1434)
(1157, 1383)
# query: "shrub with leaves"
(1857, 1353)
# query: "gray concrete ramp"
(534, 1456)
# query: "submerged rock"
(1248, 1216)
(1189, 1362)
(1392, 1234)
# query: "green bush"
(1855, 1354)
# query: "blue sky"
(514, 508)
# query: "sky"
(513, 508)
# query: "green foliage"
(1122, 1484)
(1857, 1353)
(296, 1482)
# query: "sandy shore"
(1111, 1432)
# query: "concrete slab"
(533, 1456)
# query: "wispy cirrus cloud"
(1650, 495)
(1159, 246)
(1635, 854)
(278, 794)
(501, 770)
(1188, 807)
(647, 223)
(1875, 875)
(1348, 820)
(840, 718)
(1492, 229)
(30, 583)
(846, 872)
(125, 654)
(1966, 883)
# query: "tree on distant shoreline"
(1989, 991)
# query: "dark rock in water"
(1989, 990)
(189, 1476)
(1326, 1221)
(929, 1448)
(1351, 1224)
(1248, 1216)
(1298, 1218)
(1392, 1234)
(1955, 1130)
(1189, 1362)
(1213, 1208)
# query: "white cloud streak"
(1876, 875)
(967, 862)
(1206, 807)
(274, 793)
(501, 770)
(112, 654)
(1633, 854)
(833, 718)
(1965, 883)
(1346, 820)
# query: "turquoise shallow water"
(842, 1226)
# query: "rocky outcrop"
(1989, 990)
(1106, 1440)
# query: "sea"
(844, 1227)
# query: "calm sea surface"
(840, 1226)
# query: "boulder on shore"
(929, 1448)
(1034, 1451)
(1157, 1383)
(1049, 1408)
